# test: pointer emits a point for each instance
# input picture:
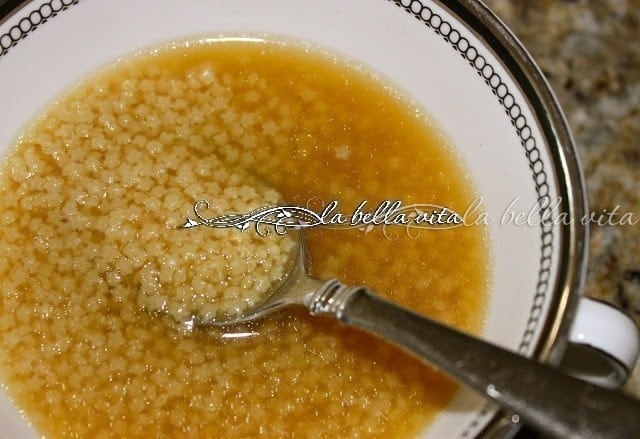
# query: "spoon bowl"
(296, 288)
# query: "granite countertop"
(590, 53)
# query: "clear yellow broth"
(105, 176)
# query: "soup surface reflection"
(98, 186)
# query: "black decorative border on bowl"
(499, 89)
(31, 22)
(487, 72)
(483, 68)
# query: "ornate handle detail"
(330, 298)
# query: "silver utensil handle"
(547, 399)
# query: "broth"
(101, 182)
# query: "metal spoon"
(553, 402)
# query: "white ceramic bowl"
(455, 59)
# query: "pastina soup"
(91, 200)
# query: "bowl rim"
(574, 234)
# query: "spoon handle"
(553, 402)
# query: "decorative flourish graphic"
(414, 217)
(279, 218)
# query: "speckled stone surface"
(590, 53)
